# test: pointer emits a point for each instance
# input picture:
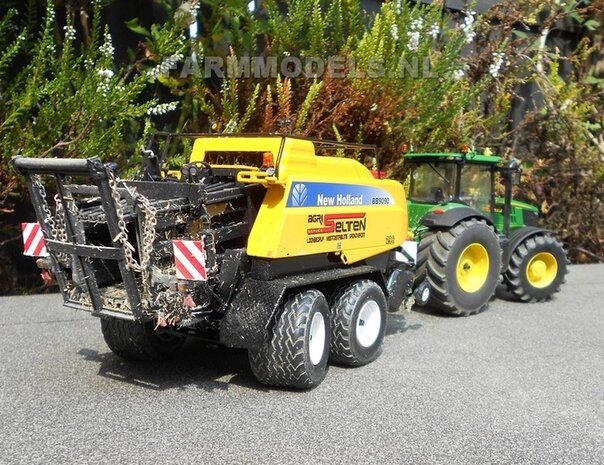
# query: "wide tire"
(139, 341)
(358, 319)
(462, 265)
(296, 356)
(537, 268)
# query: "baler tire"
(139, 341)
(440, 256)
(358, 323)
(550, 252)
(289, 359)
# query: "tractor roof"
(471, 157)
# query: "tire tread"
(281, 362)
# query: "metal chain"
(148, 236)
(57, 229)
(49, 216)
(60, 229)
(122, 236)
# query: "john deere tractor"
(468, 236)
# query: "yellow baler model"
(274, 243)
(315, 204)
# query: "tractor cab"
(451, 180)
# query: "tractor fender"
(515, 238)
(254, 309)
(451, 217)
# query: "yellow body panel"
(234, 144)
(316, 204)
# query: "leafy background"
(66, 91)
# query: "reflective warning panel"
(190, 261)
(33, 240)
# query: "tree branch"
(58, 145)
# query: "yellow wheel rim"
(542, 270)
(472, 267)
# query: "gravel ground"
(518, 384)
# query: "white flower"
(194, 8)
(394, 32)
(495, 66)
(413, 40)
(459, 74)
(168, 63)
(417, 24)
(413, 35)
(103, 87)
(106, 73)
(190, 8)
(467, 27)
(231, 126)
(50, 13)
(434, 31)
(162, 108)
(399, 6)
(107, 48)
(70, 33)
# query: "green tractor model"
(468, 236)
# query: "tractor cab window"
(475, 186)
(432, 182)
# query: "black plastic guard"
(255, 305)
(250, 312)
(516, 237)
(452, 217)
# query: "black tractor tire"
(358, 323)
(442, 252)
(292, 358)
(542, 251)
(139, 341)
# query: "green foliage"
(409, 78)
(66, 102)
(410, 74)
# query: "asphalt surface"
(518, 384)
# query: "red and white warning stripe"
(33, 240)
(190, 261)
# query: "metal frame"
(76, 246)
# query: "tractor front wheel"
(536, 269)
(462, 265)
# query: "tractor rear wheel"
(139, 341)
(537, 268)
(296, 356)
(462, 265)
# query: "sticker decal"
(299, 195)
(336, 227)
(321, 194)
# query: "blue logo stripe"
(323, 194)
